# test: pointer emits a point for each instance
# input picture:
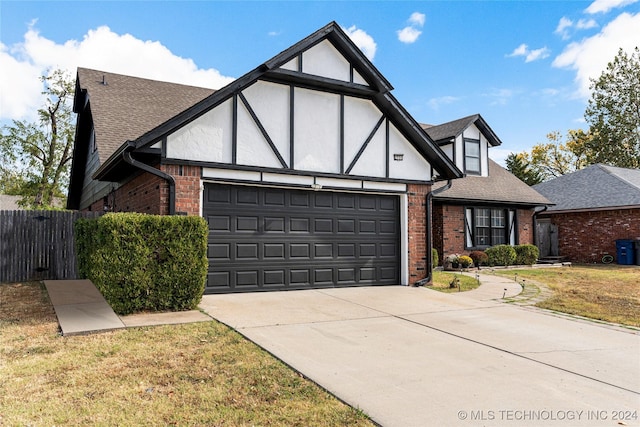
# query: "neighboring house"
(593, 208)
(9, 203)
(490, 206)
(307, 169)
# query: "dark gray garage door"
(272, 239)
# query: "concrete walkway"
(81, 309)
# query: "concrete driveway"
(415, 357)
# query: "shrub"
(527, 254)
(479, 258)
(465, 261)
(435, 259)
(144, 262)
(501, 255)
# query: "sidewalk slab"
(168, 318)
(80, 307)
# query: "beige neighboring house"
(9, 203)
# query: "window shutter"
(468, 227)
(511, 235)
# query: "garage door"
(272, 239)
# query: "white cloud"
(604, 6)
(585, 24)
(417, 18)
(435, 103)
(563, 26)
(411, 32)
(500, 96)
(408, 35)
(536, 54)
(22, 63)
(530, 55)
(589, 57)
(363, 40)
(520, 50)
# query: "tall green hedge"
(144, 262)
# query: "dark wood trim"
(234, 130)
(318, 83)
(292, 96)
(342, 134)
(387, 150)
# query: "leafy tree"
(556, 158)
(613, 113)
(520, 166)
(35, 156)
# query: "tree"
(520, 166)
(613, 113)
(556, 158)
(35, 156)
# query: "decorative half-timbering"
(316, 123)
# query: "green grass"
(610, 293)
(194, 374)
(442, 281)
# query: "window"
(486, 227)
(472, 155)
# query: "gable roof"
(445, 132)
(500, 187)
(595, 187)
(125, 107)
(377, 90)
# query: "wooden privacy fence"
(38, 245)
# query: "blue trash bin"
(625, 252)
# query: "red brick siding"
(449, 232)
(187, 188)
(417, 226)
(141, 194)
(586, 236)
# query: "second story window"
(472, 155)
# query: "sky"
(525, 66)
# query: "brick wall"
(148, 193)
(584, 237)
(417, 226)
(187, 188)
(449, 232)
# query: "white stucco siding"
(270, 102)
(207, 138)
(316, 131)
(373, 161)
(360, 118)
(324, 60)
(253, 149)
(413, 165)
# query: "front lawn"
(442, 282)
(194, 374)
(610, 293)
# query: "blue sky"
(523, 65)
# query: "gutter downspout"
(128, 158)
(429, 258)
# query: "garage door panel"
(268, 238)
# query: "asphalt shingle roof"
(594, 187)
(500, 187)
(125, 107)
(444, 132)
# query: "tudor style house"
(489, 206)
(307, 169)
